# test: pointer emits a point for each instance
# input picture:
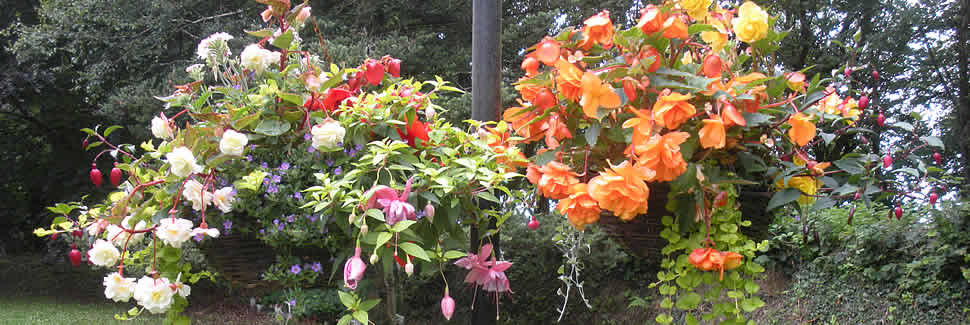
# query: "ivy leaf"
(783, 197)
(688, 301)
(750, 304)
(664, 319)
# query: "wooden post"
(486, 104)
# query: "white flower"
(103, 253)
(183, 289)
(97, 227)
(183, 162)
(223, 199)
(154, 294)
(161, 128)
(327, 135)
(118, 288)
(174, 232)
(233, 143)
(195, 71)
(211, 232)
(214, 41)
(257, 58)
(193, 192)
(119, 236)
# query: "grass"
(34, 292)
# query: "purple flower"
(276, 221)
(272, 189)
(340, 144)
(249, 158)
(313, 219)
(329, 162)
(265, 181)
(310, 149)
(264, 165)
(316, 267)
(290, 218)
(284, 166)
(280, 227)
(337, 171)
(298, 196)
(358, 147)
(277, 179)
(292, 302)
(226, 225)
(307, 137)
(295, 269)
(262, 231)
(197, 237)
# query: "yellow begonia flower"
(751, 25)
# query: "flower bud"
(409, 268)
(875, 75)
(429, 113)
(429, 212)
(447, 306)
(374, 259)
(363, 229)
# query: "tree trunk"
(963, 104)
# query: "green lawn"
(65, 310)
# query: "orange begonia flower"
(622, 190)
(519, 118)
(651, 53)
(802, 129)
(699, 259)
(642, 126)
(672, 109)
(555, 130)
(528, 91)
(598, 30)
(651, 19)
(731, 116)
(547, 51)
(662, 155)
(579, 207)
(569, 80)
(674, 27)
(712, 134)
(709, 259)
(554, 179)
(596, 94)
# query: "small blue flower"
(310, 149)
(292, 302)
(262, 231)
(277, 179)
(264, 165)
(307, 137)
(337, 171)
(226, 225)
(316, 267)
(276, 221)
(298, 196)
(280, 227)
(284, 166)
(358, 147)
(295, 269)
(340, 144)
(249, 158)
(197, 237)
(313, 219)
(290, 218)
(329, 162)
(272, 189)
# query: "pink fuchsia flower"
(447, 306)
(496, 281)
(354, 270)
(488, 274)
(395, 206)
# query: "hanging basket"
(641, 236)
(241, 260)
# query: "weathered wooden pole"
(486, 105)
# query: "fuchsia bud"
(875, 75)
(863, 102)
(95, 175)
(447, 306)
(848, 73)
(534, 224)
(75, 256)
(429, 212)
(899, 212)
(115, 175)
(937, 157)
(409, 268)
(881, 120)
(394, 67)
(933, 197)
(887, 161)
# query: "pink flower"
(447, 306)
(354, 270)
(396, 207)
(488, 274)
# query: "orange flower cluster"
(553, 179)
(709, 259)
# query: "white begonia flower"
(119, 236)
(97, 227)
(327, 135)
(154, 294)
(211, 232)
(233, 143)
(161, 128)
(223, 199)
(103, 253)
(118, 288)
(195, 71)
(192, 191)
(174, 232)
(183, 289)
(215, 41)
(257, 58)
(183, 162)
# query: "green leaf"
(756, 119)
(345, 320)
(346, 299)
(382, 238)
(369, 304)
(823, 203)
(698, 28)
(283, 42)
(375, 213)
(751, 304)
(489, 196)
(688, 301)
(361, 316)
(664, 319)
(903, 125)
(110, 129)
(133, 311)
(262, 33)
(783, 197)
(416, 251)
(454, 254)
(402, 225)
(272, 127)
(592, 133)
(850, 165)
(932, 141)
(751, 287)
(292, 98)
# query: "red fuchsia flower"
(447, 306)
(335, 96)
(354, 270)
(413, 131)
(396, 207)
(313, 104)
